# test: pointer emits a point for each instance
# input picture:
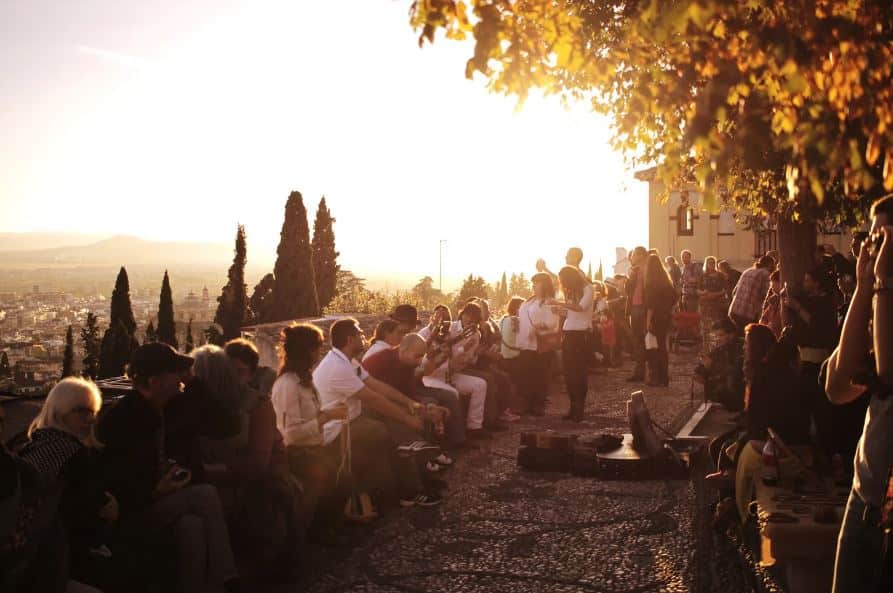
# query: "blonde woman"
(62, 448)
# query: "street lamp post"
(440, 269)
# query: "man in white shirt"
(536, 318)
(339, 378)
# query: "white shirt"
(297, 408)
(582, 320)
(375, 348)
(338, 380)
(533, 313)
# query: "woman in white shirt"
(537, 338)
(387, 335)
(575, 347)
(310, 433)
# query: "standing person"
(861, 364)
(732, 276)
(675, 272)
(617, 305)
(388, 334)
(155, 495)
(771, 314)
(750, 292)
(578, 303)
(712, 303)
(691, 278)
(538, 338)
(635, 305)
(659, 299)
(509, 327)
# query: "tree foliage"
(294, 290)
(90, 338)
(5, 369)
(232, 304)
(425, 294)
(260, 297)
(190, 341)
(167, 326)
(325, 264)
(151, 334)
(778, 108)
(119, 340)
(519, 285)
(473, 286)
(68, 356)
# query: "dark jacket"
(134, 456)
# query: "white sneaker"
(433, 467)
(442, 459)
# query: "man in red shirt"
(403, 368)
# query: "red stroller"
(686, 330)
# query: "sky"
(176, 120)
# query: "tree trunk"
(796, 246)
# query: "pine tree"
(294, 292)
(232, 304)
(503, 297)
(325, 266)
(68, 357)
(5, 369)
(119, 340)
(167, 327)
(151, 334)
(471, 287)
(600, 274)
(260, 300)
(190, 344)
(90, 337)
(589, 272)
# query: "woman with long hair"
(575, 345)
(538, 338)
(63, 450)
(659, 299)
(387, 335)
(712, 304)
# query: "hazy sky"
(176, 119)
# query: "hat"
(153, 359)
(406, 314)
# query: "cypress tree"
(232, 304)
(5, 369)
(599, 275)
(90, 337)
(589, 272)
(325, 266)
(119, 340)
(167, 327)
(190, 343)
(151, 334)
(259, 302)
(294, 291)
(503, 292)
(68, 357)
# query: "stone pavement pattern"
(502, 529)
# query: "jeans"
(204, 556)
(859, 548)
(658, 360)
(454, 427)
(406, 470)
(575, 355)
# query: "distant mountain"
(45, 240)
(122, 250)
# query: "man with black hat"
(154, 492)
(408, 318)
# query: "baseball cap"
(153, 359)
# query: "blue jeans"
(859, 548)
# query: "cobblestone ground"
(503, 529)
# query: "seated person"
(155, 495)
(772, 400)
(245, 358)
(720, 370)
(63, 452)
(372, 406)
(257, 448)
(387, 335)
(487, 365)
(441, 336)
(403, 369)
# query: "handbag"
(546, 343)
(359, 507)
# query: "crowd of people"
(213, 470)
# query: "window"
(685, 216)
(726, 223)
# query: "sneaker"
(443, 459)
(507, 416)
(433, 467)
(102, 551)
(422, 499)
(417, 447)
